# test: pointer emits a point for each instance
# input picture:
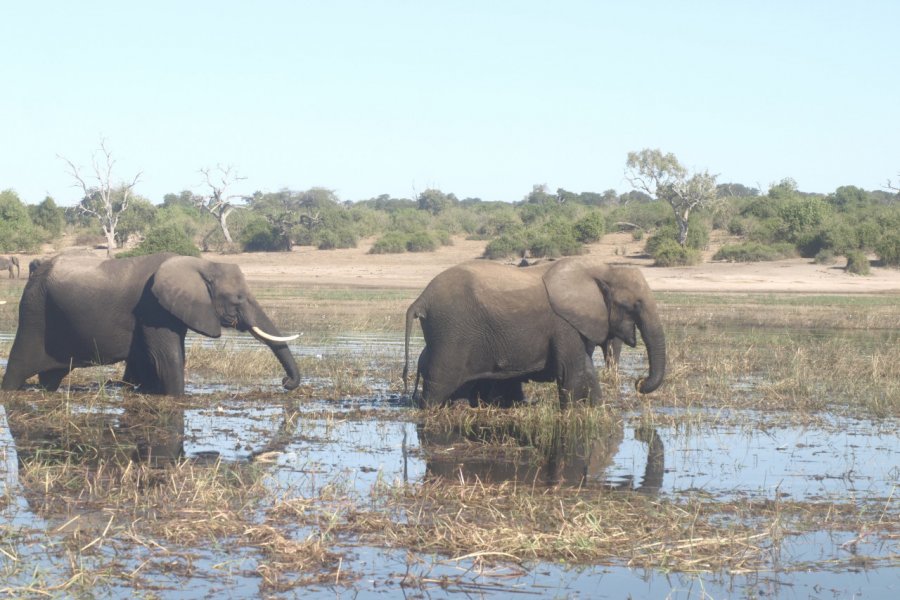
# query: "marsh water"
(358, 443)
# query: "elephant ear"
(180, 288)
(576, 296)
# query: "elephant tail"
(415, 311)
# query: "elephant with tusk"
(490, 327)
(78, 311)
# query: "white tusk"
(272, 338)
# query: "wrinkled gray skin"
(78, 311)
(488, 328)
(7, 264)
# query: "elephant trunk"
(275, 341)
(655, 341)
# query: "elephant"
(7, 264)
(486, 321)
(78, 311)
(33, 266)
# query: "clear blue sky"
(472, 97)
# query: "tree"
(435, 201)
(662, 176)
(48, 216)
(17, 232)
(104, 201)
(219, 203)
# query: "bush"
(670, 253)
(392, 242)
(888, 249)
(545, 245)
(260, 236)
(590, 228)
(505, 246)
(754, 252)
(857, 263)
(332, 240)
(738, 226)
(825, 256)
(421, 241)
(164, 238)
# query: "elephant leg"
(51, 378)
(504, 393)
(578, 381)
(612, 350)
(437, 392)
(156, 362)
(26, 360)
(443, 377)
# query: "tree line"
(669, 209)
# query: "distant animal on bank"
(7, 263)
(488, 328)
(78, 311)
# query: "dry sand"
(357, 268)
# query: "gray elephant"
(80, 310)
(483, 321)
(7, 264)
(33, 266)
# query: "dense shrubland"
(849, 222)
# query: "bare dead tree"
(104, 201)
(218, 202)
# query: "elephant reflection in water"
(570, 460)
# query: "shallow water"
(360, 443)
(846, 460)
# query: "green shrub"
(167, 237)
(754, 252)
(888, 249)
(546, 246)
(670, 253)
(421, 241)
(259, 236)
(590, 228)
(17, 232)
(857, 263)
(637, 234)
(392, 242)
(738, 226)
(332, 240)
(505, 246)
(825, 256)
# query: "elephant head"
(207, 296)
(605, 303)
